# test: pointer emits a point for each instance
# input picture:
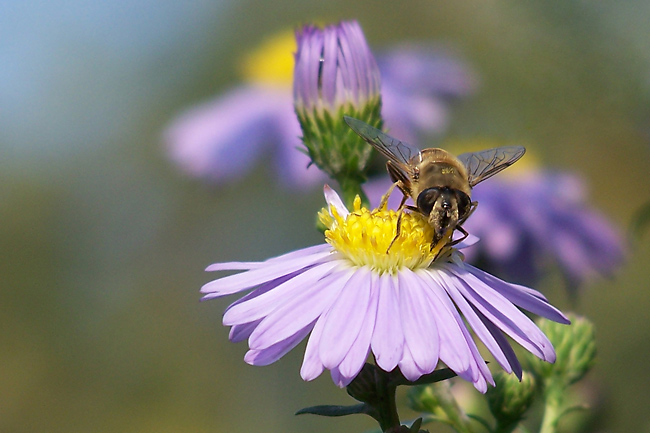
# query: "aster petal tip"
(467, 242)
(334, 200)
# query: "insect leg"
(397, 175)
(400, 211)
(384, 198)
(460, 228)
(459, 240)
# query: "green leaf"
(334, 410)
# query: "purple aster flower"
(525, 219)
(222, 139)
(410, 307)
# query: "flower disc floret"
(368, 238)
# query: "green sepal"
(415, 427)
(375, 389)
(335, 148)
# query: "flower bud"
(437, 399)
(335, 74)
(510, 398)
(575, 347)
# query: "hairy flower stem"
(553, 411)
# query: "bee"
(439, 183)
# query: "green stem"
(552, 412)
(387, 407)
(505, 428)
(376, 389)
(351, 188)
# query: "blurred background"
(103, 240)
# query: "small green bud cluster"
(575, 347)
(510, 399)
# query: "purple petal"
(504, 314)
(338, 379)
(453, 348)
(245, 280)
(260, 290)
(303, 252)
(503, 344)
(478, 372)
(333, 199)
(234, 266)
(356, 357)
(407, 365)
(344, 321)
(242, 332)
(388, 338)
(528, 299)
(425, 70)
(329, 65)
(312, 366)
(407, 114)
(299, 311)
(264, 304)
(271, 354)
(449, 283)
(470, 364)
(420, 330)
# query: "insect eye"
(464, 202)
(427, 199)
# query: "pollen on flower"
(272, 62)
(364, 237)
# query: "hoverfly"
(439, 183)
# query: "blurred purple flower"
(418, 82)
(528, 219)
(223, 139)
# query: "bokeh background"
(103, 241)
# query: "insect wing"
(486, 163)
(398, 152)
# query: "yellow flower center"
(364, 237)
(272, 62)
